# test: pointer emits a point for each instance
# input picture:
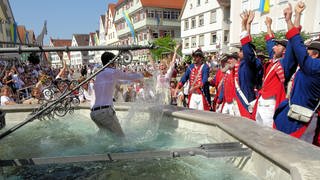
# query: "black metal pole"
(21, 49)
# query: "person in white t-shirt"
(86, 90)
(163, 78)
(102, 110)
(6, 98)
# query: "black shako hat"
(314, 45)
(226, 56)
(198, 52)
(282, 42)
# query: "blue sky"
(64, 17)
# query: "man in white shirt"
(102, 111)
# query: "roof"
(22, 33)
(103, 19)
(112, 8)
(92, 37)
(61, 42)
(119, 2)
(82, 39)
(171, 4)
(31, 36)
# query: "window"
(155, 35)
(186, 43)
(281, 24)
(213, 16)
(198, 2)
(150, 14)
(193, 23)
(245, 5)
(193, 42)
(201, 40)
(255, 28)
(186, 24)
(226, 15)
(142, 15)
(166, 14)
(201, 20)
(167, 33)
(282, 1)
(158, 14)
(175, 15)
(226, 36)
(255, 4)
(213, 39)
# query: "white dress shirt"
(104, 85)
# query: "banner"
(27, 37)
(130, 25)
(264, 6)
(13, 30)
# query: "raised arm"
(248, 52)
(251, 15)
(244, 19)
(299, 8)
(172, 63)
(175, 55)
(63, 70)
(307, 64)
(269, 37)
(289, 62)
(288, 15)
(153, 64)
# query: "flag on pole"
(41, 35)
(264, 6)
(130, 25)
(27, 37)
(96, 39)
(13, 30)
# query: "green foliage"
(188, 59)
(260, 43)
(165, 46)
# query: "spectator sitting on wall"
(6, 96)
(36, 96)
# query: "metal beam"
(215, 150)
(21, 49)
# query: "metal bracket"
(231, 149)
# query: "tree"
(165, 45)
(259, 40)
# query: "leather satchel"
(300, 113)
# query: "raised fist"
(287, 12)
(268, 21)
(300, 6)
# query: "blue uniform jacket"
(250, 73)
(288, 62)
(204, 80)
(306, 87)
